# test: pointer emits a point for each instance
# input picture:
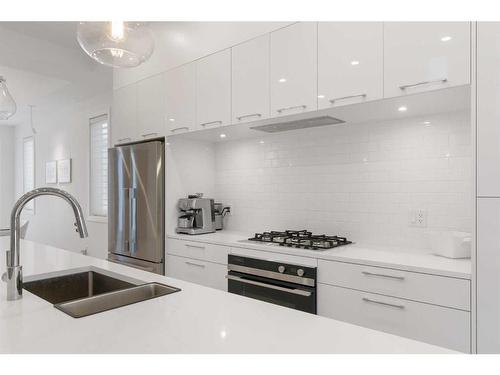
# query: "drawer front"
(436, 325)
(438, 290)
(196, 271)
(198, 250)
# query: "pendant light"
(7, 104)
(116, 44)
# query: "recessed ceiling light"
(426, 123)
(261, 142)
(354, 62)
(402, 109)
(222, 135)
(281, 80)
(446, 38)
(321, 96)
(171, 119)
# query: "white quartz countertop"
(195, 320)
(397, 258)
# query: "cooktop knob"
(300, 272)
(281, 269)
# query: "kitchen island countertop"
(196, 320)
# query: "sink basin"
(112, 300)
(75, 286)
(89, 292)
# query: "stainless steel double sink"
(91, 291)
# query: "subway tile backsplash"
(356, 180)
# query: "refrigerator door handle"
(132, 201)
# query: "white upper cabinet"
(294, 69)
(250, 80)
(350, 62)
(124, 114)
(180, 99)
(488, 111)
(151, 107)
(422, 56)
(213, 90)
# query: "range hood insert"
(298, 124)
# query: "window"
(99, 138)
(29, 168)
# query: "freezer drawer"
(143, 265)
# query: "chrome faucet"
(14, 275)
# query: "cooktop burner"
(302, 239)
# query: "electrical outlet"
(417, 218)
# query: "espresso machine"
(197, 215)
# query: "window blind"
(99, 140)
(29, 168)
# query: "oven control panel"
(277, 267)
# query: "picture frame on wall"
(51, 172)
(64, 171)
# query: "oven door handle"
(270, 286)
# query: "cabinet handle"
(149, 134)
(181, 128)
(442, 80)
(366, 273)
(195, 264)
(368, 300)
(195, 246)
(205, 124)
(347, 97)
(239, 118)
(124, 139)
(281, 110)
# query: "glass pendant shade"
(116, 44)
(7, 105)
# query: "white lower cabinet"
(198, 250)
(422, 287)
(488, 275)
(436, 325)
(196, 271)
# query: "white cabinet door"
(151, 107)
(421, 56)
(433, 324)
(294, 69)
(213, 90)
(196, 271)
(350, 62)
(488, 275)
(488, 110)
(180, 99)
(250, 80)
(124, 115)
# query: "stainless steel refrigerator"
(136, 208)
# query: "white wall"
(6, 174)
(356, 180)
(189, 168)
(63, 133)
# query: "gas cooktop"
(302, 239)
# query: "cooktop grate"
(302, 239)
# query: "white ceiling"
(61, 33)
(44, 66)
